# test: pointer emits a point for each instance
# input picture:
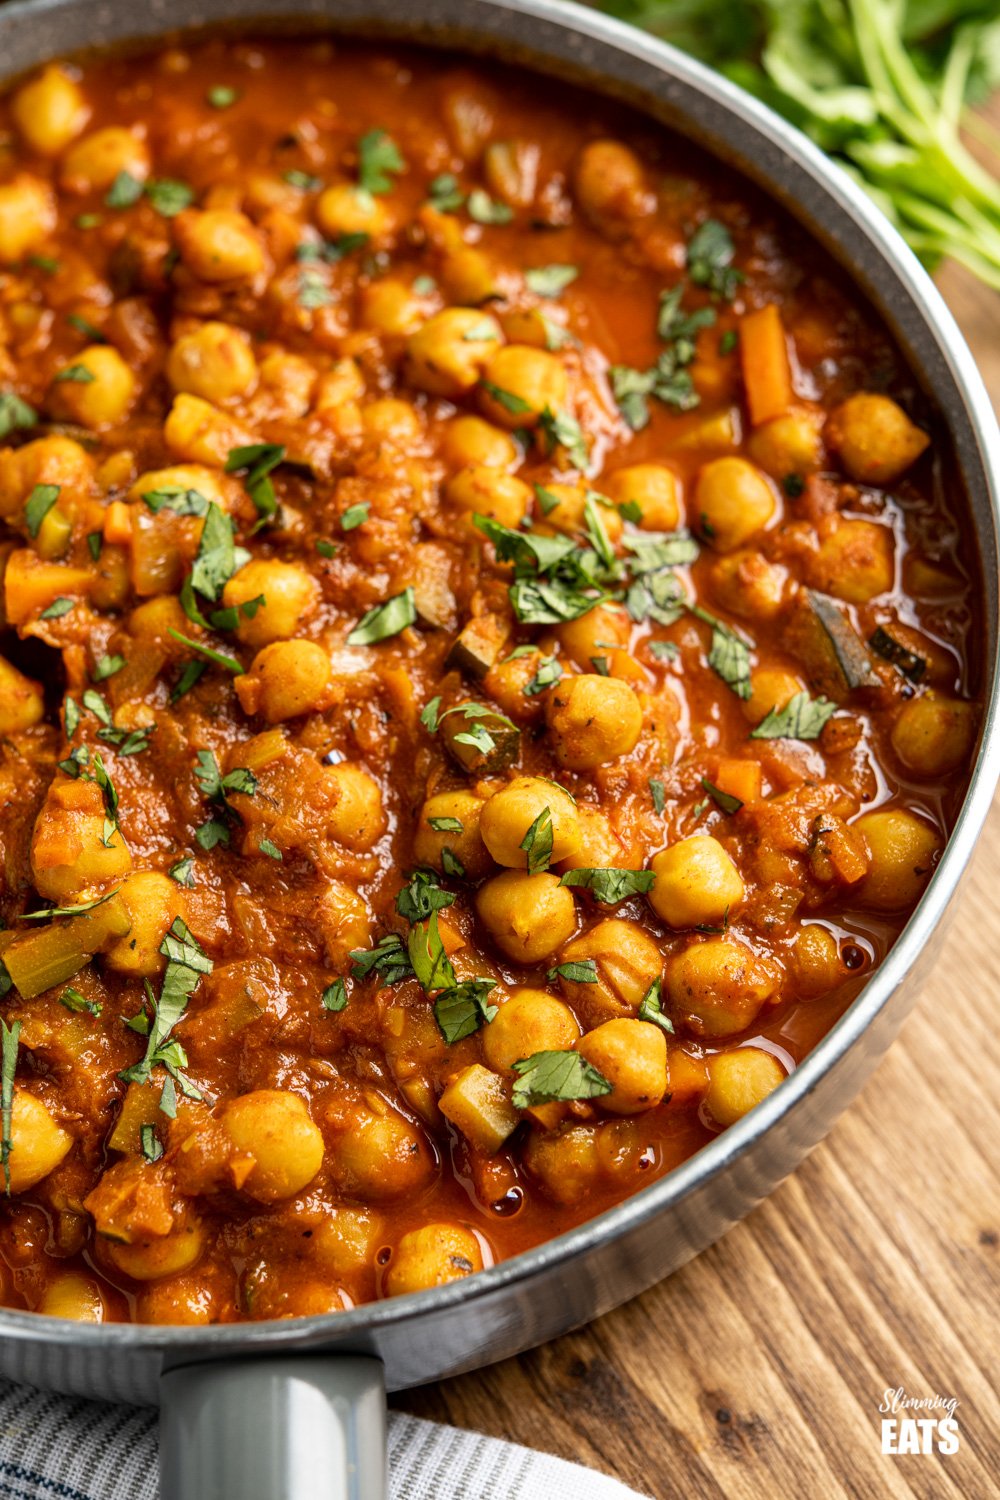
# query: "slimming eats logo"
(918, 1424)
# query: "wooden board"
(757, 1371)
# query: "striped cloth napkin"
(62, 1448)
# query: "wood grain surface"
(757, 1370)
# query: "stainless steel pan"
(276, 1411)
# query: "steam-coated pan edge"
(619, 62)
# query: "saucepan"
(271, 1411)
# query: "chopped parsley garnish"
(709, 260)
(191, 672)
(149, 1143)
(379, 161)
(554, 580)
(793, 485)
(334, 997)
(38, 505)
(550, 281)
(651, 1007)
(724, 800)
(609, 886)
(804, 718)
(218, 557)
(548, 1076)
(9, 1036)
(326, 548)
(728, 341)
(385, 620)
(182, 502)
(483, 725)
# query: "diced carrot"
(740, 778)
(118, 523)
(687, 1076)
(767, 373)
(621, 664)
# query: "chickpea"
(599, 846)
(93, 163)
(533, 378)
(470, 443)
(604, 628)
(290, 595)
(432, 1256)
(770, 688)
(348, 209)
(855, 562)
(50, 460)
(393, 308)
(37, 1143)
(933, 735)
(287, 679)
(507, 684)
(153, 902)
(732, 501)
(628, 962)
(27, 216)
(746, 584)
(50, 111)
(527, 916)
(209, 483)
(357, 819)
(344, 922)
(214, 361)
(198, 431)
(391, 422)
(183, 1299)
(632, 1056)
(217, 245)
(875, 438)
(448, 354)
(816, 961)
(483, 491)
(381, 1156)
(609, 184)
(155, 618)
(162, 1255)
(738, 1080)
(592, 720)
(791, 444)
(654, 488)
(904, 851)
(530, 1021)
(566, 1162)
(274, 1128)
(68, 852)
(469, 276)
(21, 700)
(569, 515)
(510, 812)
(70, 1295)
(697, 883)
(719, 986)
(103, 399)
(464, 842)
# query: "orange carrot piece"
(767, 371)
(740, 778)
(118, 523)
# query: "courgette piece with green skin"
(832, 652)
(477, 646)
(482, 741)
(48, 956)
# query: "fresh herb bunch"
(885, 86)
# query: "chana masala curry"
(488, 669)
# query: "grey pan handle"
(303, 1428)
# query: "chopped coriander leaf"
(658, 792)
(212, 833)
(325, 548)
(68, 911)
(107, 666)
(581, 971)
(601, 666)
(44, 263)
(183, 872)
(95, 542)
(564, 431)
(728, 655)
(486, 210)
(89, 330)
(537, 842)
(221, 96)
(463, 1008)
(451, 865)
(680, 328)
(630, 389)
(182, 502)
(428, 958)
(379, 160)
(304, 181)
(38, 505)
(71, 716)
(331, 251)
(480, 333)
(516, 405)
(218, 557)
(266, 846)
(87, 221)
(609, 886)
(191, 673)
(124, 191)
(334, 997)
(804, 718)
(187, 962)
(550, 281)
(75, 374)
(152, 1148)
(259, 459)
(385, 620)
(444, 193)
(9, 1036)
(169, 198)
(547, 502)
(793, 485)
(445, 825)
(709, 259)
(725, 800)
(15, 414)
(652, 552)
(57, 609)
(388, 960)
(354, 515)
(313, 291)
(548, 674)
(424, 285)
(421, 896)
(630, 510)
(74, 1001)
(651, 1007)
(93, 701)
(728, 341)
(218, 657)
(548, 1076)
